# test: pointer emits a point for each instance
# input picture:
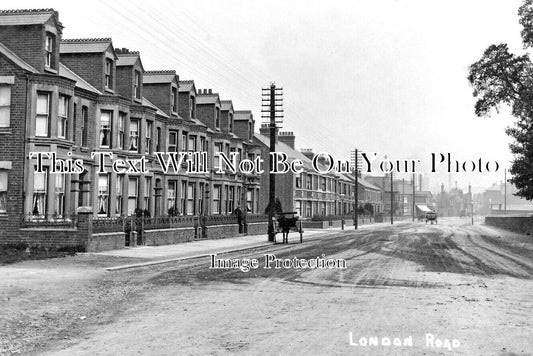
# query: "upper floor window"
(84, 125)
(174, 100)
(173, 141)
(158, 139)
(49, 45)
(184, 141)
(250, 131)
(217, 118)
(137, 85)
(105, 128)
(191, 107)
(148, 135)
(230, 122)
(42, 115)
(134, 135)
(121, 128)
(109, 73)
(3, 191)
(62, 116)
(5, 104)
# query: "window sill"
(5, 130)
(50, 70)
(108, 90)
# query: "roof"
(16, 59)
(80, 82)
(186, 85)
(85, 45)
(242, 115)
(207, 99)
(226, 105)
(27, 17)
(159, 76)
(128, 58)
(366, 184)
(148, 103)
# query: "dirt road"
(447, 289)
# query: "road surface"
(407, 289)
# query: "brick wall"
(159, 95)
(206, 114)
(89, 66)
(519, 224)
(27, 42)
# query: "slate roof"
(186, 85)
(16, 59)
(148, 103)
(159, 76)
(207, 99)
(127, 60)
(242, 115)
(85, 45)
(80, 82)
(26, 17)
(226, 105)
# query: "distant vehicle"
(431, 216)
(289, 221)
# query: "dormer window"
(49, 49)
(108, 73)
(191, 107)
(217, 118)
(137, 85)
(174, 100)
(230, 122)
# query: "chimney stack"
(287, 137)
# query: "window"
(203, 148)
(230, 122)
(158, 139)
(134, 135)
(121, 129)
(103, 194)
(323, 210)
(42, 117)
(148, 136)
(216, 199)
(217, 148)
(191, 107)
(137, 85)
(182, 197)
(217, 118)
(62, 117)
(191, 190)
(173, 141)
(298, 207)
(308, 209)
(174, 100)
(60, 195)
(84, 125)
(105, 128)
(225, 200)
(323, 183)
(39, 193)
(108, 73)
(308, 181)
(132, 195)
(298, 183)
(171, 197)
(250, 131)
(184, 141)
(119, 188)
(192, 143)
(231, 200)
(3, 191)
(249, 200)
(74, 122)
(5, 104)
(147, 191)
(201, 194)
(49, 49)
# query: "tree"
(503, 78)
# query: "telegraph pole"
(355, 160)
(504, 192)
(413, 207)
(391, 200)
(272, 98)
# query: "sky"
(381, 76)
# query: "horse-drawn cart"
(289, 221)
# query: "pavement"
(201, 248)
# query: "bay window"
(42, 117)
